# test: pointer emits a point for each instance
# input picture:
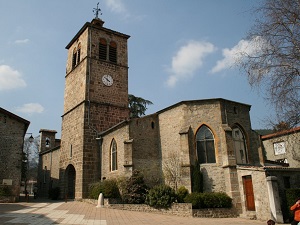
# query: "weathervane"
(96, 11)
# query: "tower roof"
(97, 24)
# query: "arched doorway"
(70, 177)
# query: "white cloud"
(10, 78)
(187, 60)
(24, 41)
(231, 56)
(30, 108)
(116, 6)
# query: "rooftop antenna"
(96, 11)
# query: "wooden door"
(248, 187)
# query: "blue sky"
(178, 50)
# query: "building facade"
(12, 132)
(99, 141)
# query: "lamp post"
(26, 160)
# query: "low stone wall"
(178, 209)
(8, 199)
(215, 213)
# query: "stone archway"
(70, 178)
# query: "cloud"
(187, 60)
(116, 6)
(238, 52)
(10, 78)
(31, 108)
(24, 41)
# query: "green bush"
(135, 189)
(5, 190)
(108, 188)
(196, 199)
(181, 193)
(161, 196)
(54, 193)
(197, 178)
(209, 200)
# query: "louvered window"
(102, 49)
(113, 52)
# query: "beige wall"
(292, 147)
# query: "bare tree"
(172, 170)
(273, 61)
(30, 160)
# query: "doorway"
(249, 194)
(70, 181)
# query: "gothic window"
(113, 156)
(102, 49)
(239, 142)
(74, 58)
(113, 52)
(205, 145)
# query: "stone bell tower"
(95, 99)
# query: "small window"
(71, 151)
(113, 52)
(113, 156)
(78, 53)
(205, 145)
(74, 58)
(102, 49)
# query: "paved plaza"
(73, 212)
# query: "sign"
(279, 148)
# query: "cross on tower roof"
(96, 11)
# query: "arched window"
(102, 49)
(78, 53)
(239, 145)
(74, 58)
(205, 145)
(113, 52)
(113, 156)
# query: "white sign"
(7, 181)
(279, 148)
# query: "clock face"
(107, 80)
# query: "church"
(100, 141)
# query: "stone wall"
(12, 131)
(261, 198)
(292, 149)
(177, 209)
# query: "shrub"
(181, 193)
(197, 178)
(161, 196)
(5, 190)
(209, 200)
(54, 193)
(135, 189)
(108, 188)
(196, 199)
